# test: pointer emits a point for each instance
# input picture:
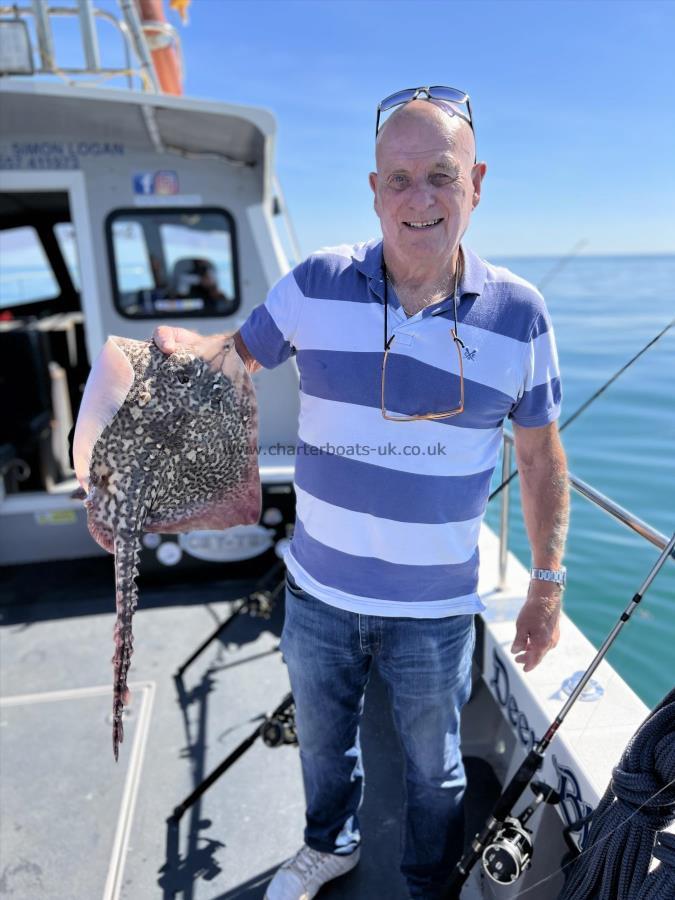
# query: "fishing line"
(590, 400)
(560, 265)
(596, 843)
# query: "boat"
(120, 209)
(121, 203)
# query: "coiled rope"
(615, 861)
(660, 883)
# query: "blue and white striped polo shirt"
(388, 513)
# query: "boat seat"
(63, 348)
(197, 278)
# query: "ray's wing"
(109, 382)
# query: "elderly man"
(412, 351)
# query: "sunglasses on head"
(457, 100)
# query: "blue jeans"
(426, 666)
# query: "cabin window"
(173, 263)
(25, 273)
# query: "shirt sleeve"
(540, 397)
(270, 330)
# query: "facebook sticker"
(144, 183)
(164, 182)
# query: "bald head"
(421, 126)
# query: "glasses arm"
(473, 128)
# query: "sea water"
(604, 310)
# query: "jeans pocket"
(295, 588)
(292, 613)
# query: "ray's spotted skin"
(162, 444)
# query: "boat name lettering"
(502, 691)
(54, 154)
(573, 806)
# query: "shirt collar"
(367, 259)
(474, 274)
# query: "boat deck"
(77, 825)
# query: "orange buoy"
(164, 57)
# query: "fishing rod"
(584, 406)
(504, 844)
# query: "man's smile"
(429, 224)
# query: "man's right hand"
(169, 339)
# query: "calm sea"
(604, 310)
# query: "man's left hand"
(538, 624)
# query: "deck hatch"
(45, 788)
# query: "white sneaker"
(301, 876)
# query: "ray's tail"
(127, 550)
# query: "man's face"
(426, 184)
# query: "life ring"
(164, 56)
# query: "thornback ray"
(162, 444)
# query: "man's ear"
(372, 181)
(477, 176)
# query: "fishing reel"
(260, 604)
(509, 853)
(279, 728)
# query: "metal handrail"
(585, 490)
(132, 31)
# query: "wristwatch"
(559, 576)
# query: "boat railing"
(295, 254)
(585, 490)
(138, 39)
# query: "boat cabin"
(121, 210)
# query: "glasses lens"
(441, 92)
(440, 398)
(399, 97)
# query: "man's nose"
(423, 195)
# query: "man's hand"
(538, 624)
(168, 338)
(210, 347)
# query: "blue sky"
(573, 102)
